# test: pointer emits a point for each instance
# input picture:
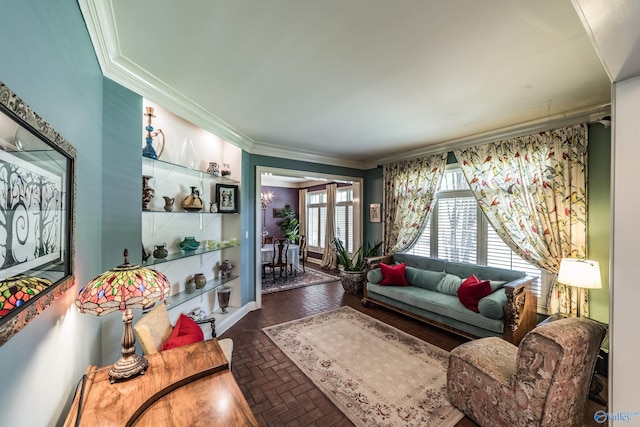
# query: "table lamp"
(580, 273)
(123, 288)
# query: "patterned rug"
(304, 278)
(376, 374)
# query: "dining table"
(293, 254)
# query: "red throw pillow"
(393, 274)
(186, 331)
(472, 290)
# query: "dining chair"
(279, 259)
(303, 251)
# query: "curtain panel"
(409, 190)
(302, 216)
(329, 259)
(533, 192)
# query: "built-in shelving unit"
(218, 233)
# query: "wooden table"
(185, 386)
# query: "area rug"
(375, 374)
(303, 278)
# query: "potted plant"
(352, 268)
(289, 225)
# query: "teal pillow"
(426, 279)
(496, 284)
(492, 306)
(374, 276)
(449, 284)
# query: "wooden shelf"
(184, 254)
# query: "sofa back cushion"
(424, 278)
(482, 272)
(449, 284)
(421, 262)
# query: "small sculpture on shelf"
(226, 268)
(226, 170)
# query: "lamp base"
(129, 367)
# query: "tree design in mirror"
(37, 195)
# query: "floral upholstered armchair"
(543, 382)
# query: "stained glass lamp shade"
(123, 288)
(17, 290)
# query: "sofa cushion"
(496, 284)
(492, 306)
(443, 305)
(449, 284)
(393, 275)
(185, 331)
(374, 276)
(471, 290)
(423, 278)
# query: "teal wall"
(373, 185)
(48, 60)
(599, 232)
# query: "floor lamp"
(580, 273)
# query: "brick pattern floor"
(277, 391)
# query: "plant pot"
(353, 281)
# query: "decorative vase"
(224, 293)
(192, 202)
(190, 286)
(148, 150)
(160, 251)
(200, 280)
(213, 169)
(168, 203)
(147, 192)
(352, 281)
(226, 170)
(188, 154)
(189, 244)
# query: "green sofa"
(508, 312)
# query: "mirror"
(37, 195)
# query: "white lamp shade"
(580, 273)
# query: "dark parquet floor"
(277, 391)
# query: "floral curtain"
(532, 190)
(409, 189)
(329, 259)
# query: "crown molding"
(264, 149)
(564, 119)
(98, 16)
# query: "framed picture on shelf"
(374, 212)
(227, 198)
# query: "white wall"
(624, 383)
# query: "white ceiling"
(355, 82)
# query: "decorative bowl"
(189, 244)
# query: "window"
(316, 219)
(344, 217)
(458, 231)
(317, 216)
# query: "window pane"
(457, 229)
(422, 246)
(323, 225)
(313, 227)
(499, 255)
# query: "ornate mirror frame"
(37, 221)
